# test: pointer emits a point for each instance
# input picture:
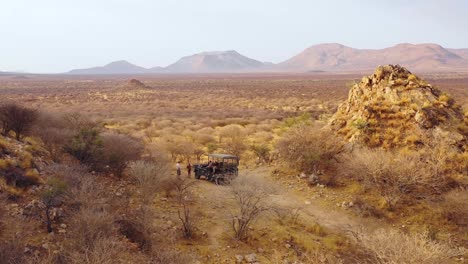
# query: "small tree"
(51, 196)
(234, 146)
(250, 197)
(183, 189)
(17, 119)
(262, 152)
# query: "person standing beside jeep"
(189, 169)
(178, 169)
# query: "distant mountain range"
(337, 57)
(330, 57)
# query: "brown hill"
(395, 108)
(217, 61)
(116, 67)
(337, 57)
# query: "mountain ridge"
(325, 57)
(336, 57)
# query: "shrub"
(150, 177)
(53, 132)
(454, 207)
(309, 149)
(118, 150)
(391, 246)
(262, 152)
(51, 196)
(395, 175)
(16, 118)
(89, 225)
(86, 145)
(105, 250)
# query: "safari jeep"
(220, 168)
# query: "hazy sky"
(58, 35)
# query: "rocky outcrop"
(134, 83)
(394, 107)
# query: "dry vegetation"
(88, 175)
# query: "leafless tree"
(250, 197)
(183, 188)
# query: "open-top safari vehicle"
(220, 168)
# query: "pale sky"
(49, 36)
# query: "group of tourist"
(179, 169)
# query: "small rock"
(45, 246)
(307, 202)
(239, 258)
(63, 226)
(260, 250)
(251, 258)
(287, 245)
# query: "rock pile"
(134, 83)
(394, 108)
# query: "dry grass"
(392, 247)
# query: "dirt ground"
(306, 224)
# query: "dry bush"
(250, 196)
(118, 151)
(395, 175)
(310, 149)
(88, 225)
(11, 244)
(105, 250)
(365, 209)
(16, 118)
(83, 190)
(54, 133)
(392, 246)
(150, 177)
(183, 188)
(12, 249)
(454, 207)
